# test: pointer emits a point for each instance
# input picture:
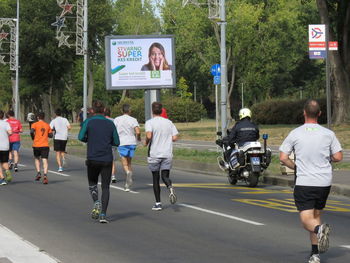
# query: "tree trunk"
(338, 63)
(91, 83)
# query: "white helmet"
(245, 112)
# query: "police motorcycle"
(245, 163)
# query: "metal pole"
(216, 108)
(328, 89)
(223, 68)
(242, 96)
(17, 65)
(85, 58)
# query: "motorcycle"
(245, 163)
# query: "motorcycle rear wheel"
(253, 179)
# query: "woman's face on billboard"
(156, 56)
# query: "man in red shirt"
(41, 132)
(15, 140)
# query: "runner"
(128, 130)
(314, 147)
(15, 140)
(60, 126)
(41, 132)
(160, 135)
(107, 114)
(5, 132)
(100, 135)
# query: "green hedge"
(282, 111)
(178, 110)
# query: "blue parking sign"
(217, 80)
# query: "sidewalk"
(340, 186)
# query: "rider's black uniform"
(243, 131)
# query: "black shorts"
(4, 157)
(310, 197)
(59, 145)
(42, 152)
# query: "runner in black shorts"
(314, 147)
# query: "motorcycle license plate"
(255, 160)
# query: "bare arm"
(148, 138)
(175, 137)
(138, 133)
(9, 132)
(337, 157)
(284, 158)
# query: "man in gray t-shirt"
(314, 147)
(160, 135)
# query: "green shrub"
(184, 110)
(137, 108)
(282, 111)
(178, 110)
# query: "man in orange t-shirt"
(41, 132)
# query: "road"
(212, 221)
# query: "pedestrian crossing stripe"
(288, 205)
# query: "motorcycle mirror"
(219, 133)
(265, 136)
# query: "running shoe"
(157, 207)
(129, 179)
(127, 188)
(38, 176)
(15, 167)
(60, 169)
(315, 258)
(3, 182)
(103, 219)
(96, 210)
(45, 180)
(172, 195)
(323, 238)
(10, 165)
(114, 179)
(8, 176)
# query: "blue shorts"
(14, 146)
(127, 150)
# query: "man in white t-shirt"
(315, 147)
(5, 132)
(129, 131)
(160, 135)
(60, 126)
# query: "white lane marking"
(121, 189)
(59, 173)
(22, 165)
(346, 246)
(19, 250)
(222, 214)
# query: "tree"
(336, 14)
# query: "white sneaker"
(114, 179)
(172, 195)
(315, 258)
(60, 169)
(323, 238)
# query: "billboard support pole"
(150, 97)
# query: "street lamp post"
(17, 65)
(223, 68)
(85, 58)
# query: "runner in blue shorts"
(129, 133)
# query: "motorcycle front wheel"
(253, 179)
(232, 179)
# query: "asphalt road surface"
(212, 221)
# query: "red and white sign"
(333, 45)
(317, 37)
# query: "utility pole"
(223, 68)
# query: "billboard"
(140, 62)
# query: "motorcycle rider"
(242, 132)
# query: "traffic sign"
(215, 70)
(217, 80)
